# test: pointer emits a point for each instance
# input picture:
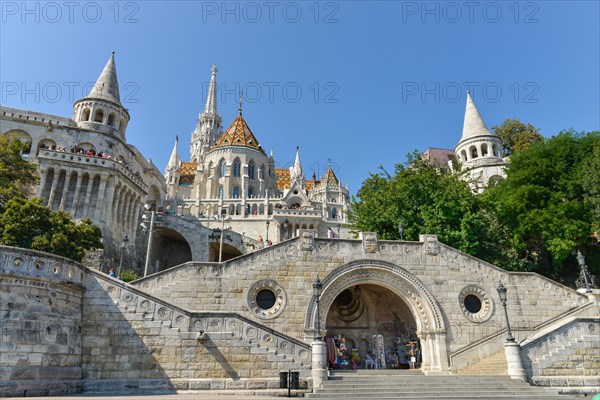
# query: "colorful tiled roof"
(238, 134)
(309, 185)
(284, 181)
(187, 173)
(329, 179)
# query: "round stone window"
(475, 304)
(266, 299)
(472, 303)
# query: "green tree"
(543, 203)
(430, 200)
(26, 223)
(591, 185)
(517, 136)
(17, 175)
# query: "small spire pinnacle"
(241, 98)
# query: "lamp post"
(317, 287)
(150, 234)
(124, 242)
(585, 278)
(207, 233)
(267, 235)
(223, 219)
(502, 294)
(401, 230)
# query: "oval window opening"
(472, 303)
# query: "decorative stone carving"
(307, 241)
(487, 304)
(369, 242)
(432, 246)
(280, 299)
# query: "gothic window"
(261, 172)
(236, 192)
(221, 192)
(99, 115)
(250, 192)
(222, 168)
(251, 170)
(334, 213)
(237, 167)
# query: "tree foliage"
(16, 174)
(517, 136)
(429, 200)
(548, 206)
(546, 202)
(25, 222)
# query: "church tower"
(102, 110)
(479, 150)
(209, 127)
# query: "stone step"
(356, 385)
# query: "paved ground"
(186, 396)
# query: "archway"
(386, 279)
(371, 319)
(172, 249)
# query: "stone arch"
(431, 328)
(46, 143)
(85, 114)
(99, 115)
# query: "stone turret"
(209, 126)
(479, 149)
(101, 109)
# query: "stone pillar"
(319, 367)
(43, 177)
(515, 362)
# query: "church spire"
(211, 98)
(473, 125)
(296, 169)
(107, 86)
(208, 128)
(174, 160)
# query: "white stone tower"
(173, 173)
(209, 127)
(479, 150)
(102, 110)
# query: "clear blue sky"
(359, 82)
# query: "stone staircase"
(492, 365)
(413, 385)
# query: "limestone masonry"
(288, 268)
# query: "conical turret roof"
(107, 86)
(329, 179)
(474, 125)
(238, 134)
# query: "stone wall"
(40, 324)
(65, 328)
(566, 356)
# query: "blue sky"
(359, 83)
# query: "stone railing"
(82, 159)
(495, 342)
(37, 264)
(297, 212)
(32, 116)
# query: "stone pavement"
(181, 396)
